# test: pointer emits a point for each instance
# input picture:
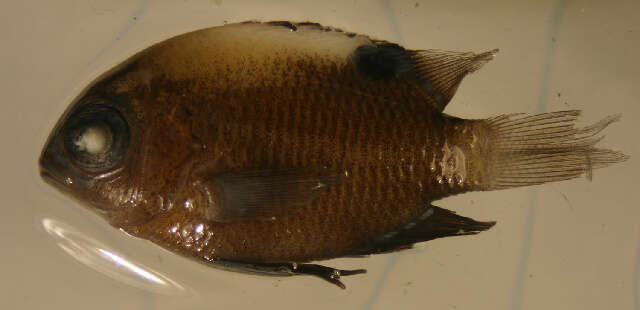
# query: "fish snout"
(54, 168)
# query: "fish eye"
(96, 137)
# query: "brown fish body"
(296, 131)
(321, 148)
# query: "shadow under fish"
(259, 147)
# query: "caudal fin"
(535, 149)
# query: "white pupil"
(93, 140)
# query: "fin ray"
(442, 71)
(535, 149)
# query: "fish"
(264, 147)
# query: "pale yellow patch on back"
(241, 55)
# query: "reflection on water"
(95, 255)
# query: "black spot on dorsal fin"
(382, 61)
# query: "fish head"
(90, 154)
(123, 146)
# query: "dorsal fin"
(437, 72)
(431, 74)
(442, 71)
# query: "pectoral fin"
(265, 194)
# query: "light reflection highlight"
(93, 254)
(139, 271)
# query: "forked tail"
(535, 149)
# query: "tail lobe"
(527, 150)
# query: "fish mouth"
(52, 179)
(51, 168)
(46, 175)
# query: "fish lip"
(45, 173)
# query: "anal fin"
(434, 223)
